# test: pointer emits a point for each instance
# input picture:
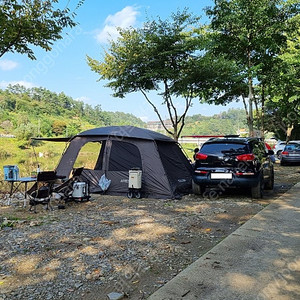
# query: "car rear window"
(221, 149)
(292, 147)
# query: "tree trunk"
(289, 132)
(262, 116)
(246, 111)
(175, 136)
(250, 102)
(250, 94)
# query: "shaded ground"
(115, 244)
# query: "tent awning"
(49, 139)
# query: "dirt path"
(115, 244)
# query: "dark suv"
(234, 162)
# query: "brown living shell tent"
(166, 172)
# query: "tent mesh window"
(124, 156)
(89, 156)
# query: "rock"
(78, 285)
(34, 223)
(115, 296)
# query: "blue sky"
(64, 69)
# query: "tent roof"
(126, 131)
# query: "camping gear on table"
(11, 173)
(134, 183)
(166, 171)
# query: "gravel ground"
(114, 244)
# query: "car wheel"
(257, 191)
(279, 154)
(282, 163)
(137, 195)
(269, 185)
(196, 188)
(130, 195)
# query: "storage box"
(11, 173)
(135, 179)
(80, 190)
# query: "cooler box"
(80, 190)
(11, 173)
(135, 179)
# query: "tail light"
(245, 157)
(284, 153)
(244, 173)
(201, 172)
(201, 156)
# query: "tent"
(166, 172)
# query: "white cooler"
(80, 190)
(135, 179)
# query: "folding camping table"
(19, 181)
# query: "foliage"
(220, 124)
(163, 56)
(40, 112)
(31, 22)
(284, 89)
(251, 34)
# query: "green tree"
(31, 22)
(25, 131)
(162, 56)
(59, 127)
(283, 107)
(251, 34)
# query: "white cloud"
(4, 84)
(124, 18)
(7, 65)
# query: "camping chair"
(41, 191)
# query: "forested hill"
(228, 122)
(40, 112)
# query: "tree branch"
(188, 103)
(156, 111)
(170, 105)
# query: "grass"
(188, 149)
(27, 159)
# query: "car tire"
(197, 190)
(282, 163)
(269, 185)
(257, 191)
(130, 195)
